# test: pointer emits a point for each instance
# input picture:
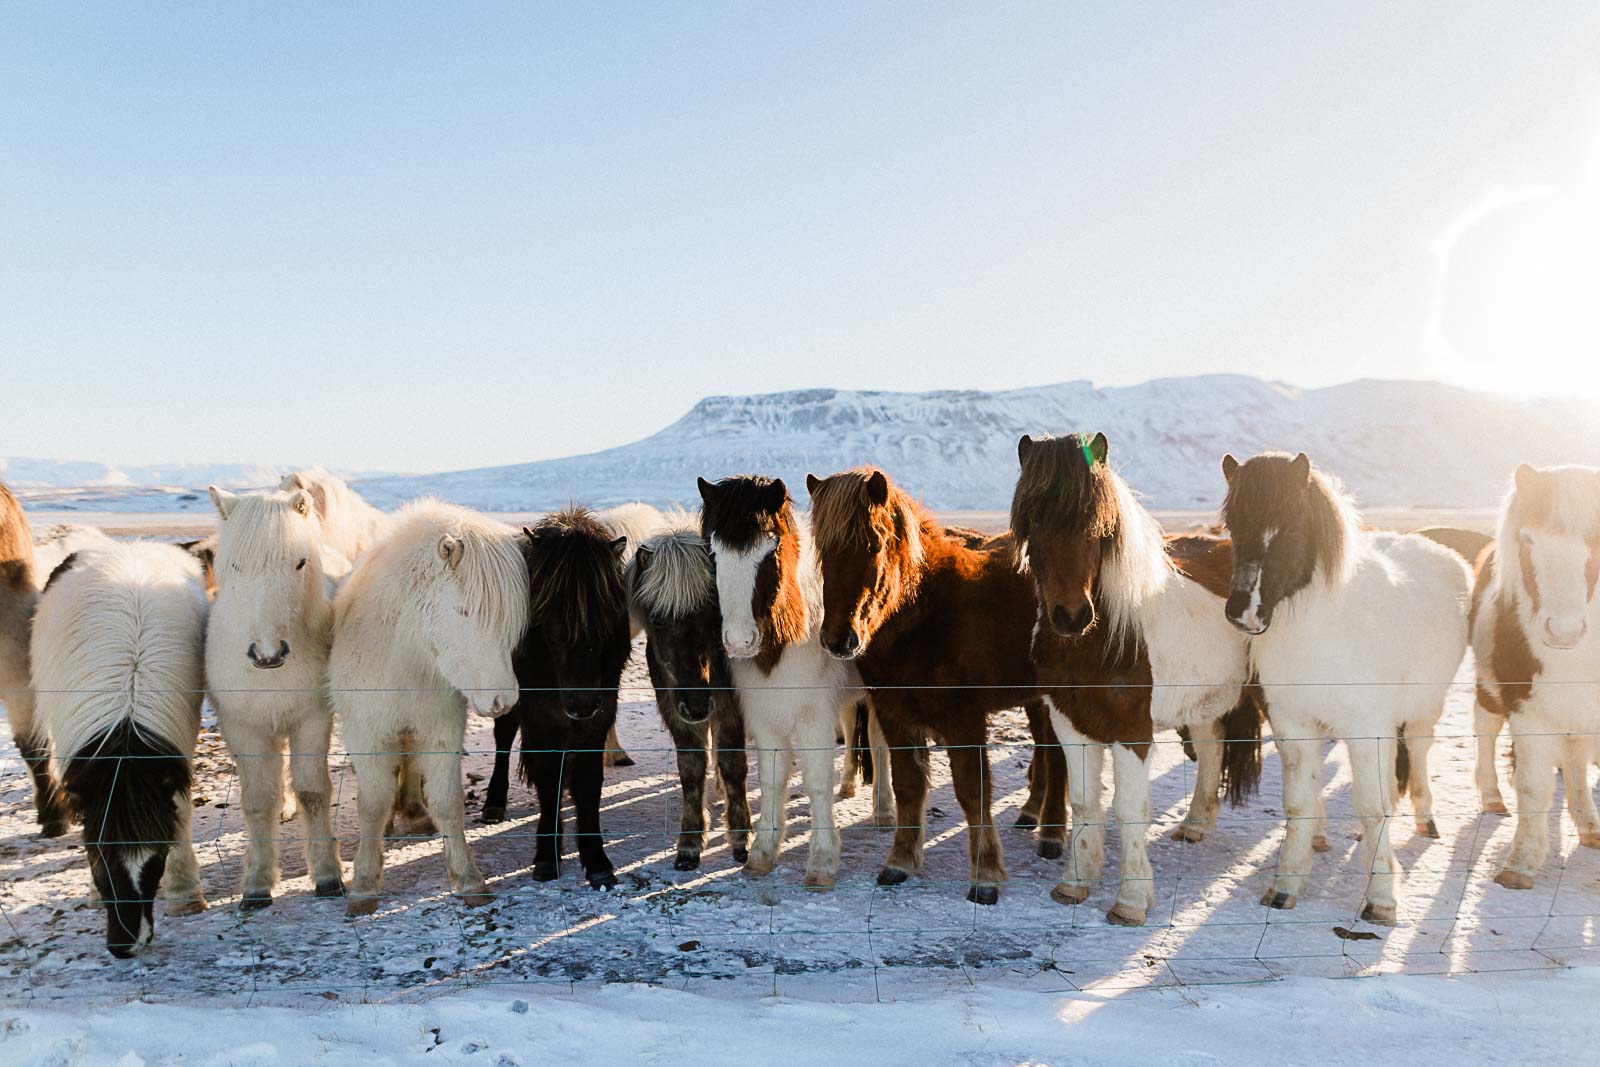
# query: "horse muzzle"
(268, 662)
(1072, 624)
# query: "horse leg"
(1086, 850)
(772, 769)
(883, 815)
(260, 780)
(494, 798)
(1038, 784)
(586, 780)
(181, 882)
(974, 789)
(33, 744)
(615, 754)
(377, 782)
(546, 773)
(814, 743)
(909, 759)
(439, 760)
(1533, 772)
(1575, 758)
(1418, 740)
(733, 769)
(1303, 814)
(411, 805)
(313, 790)
(690, 740)
(1206, 737)
(1487, 725)
(1372, 791)
(852, 754)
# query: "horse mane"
(265, 528)
(1266, 484)
(842, 513)
(741, 511)
(1563, 499)
(492, 570)
(573, 572)
(349, 523)
(636, 521)
(1063, 490)
(16, 545)
(670, 574)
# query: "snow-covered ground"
(913, 972)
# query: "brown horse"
(18, 594)
(1127, 642)
(940, 633)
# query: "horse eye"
(464, 613)
(300, 566)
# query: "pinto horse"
(1127, 641)
(940, 633)
(1536, 642)
(1355, 635)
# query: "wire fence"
(718, 924)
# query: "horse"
(939, 632)
(1126, 643)
(18, 597)
(267, 643)
(792, 692)
(349, 524)
(1536, 643)
(118, 665)
(568, 666)
(424, 629)
(635, 522)
(1355, 635)
(672, 595)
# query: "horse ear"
(812, 481)
(223, 501)
(1301, 467)
(1230, 466)
(878, 487)
(777, 495)
(620, 546)
(1526, 478)
(301, 503)
(1024, 446)
(292, 481)
(1099, 448)
(707, 491)
(641, 558)
(451, 550)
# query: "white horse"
(1355, 635)
(267, 643)
(423, 629)
(1536, 642)
(769, 589)
(56, 543)
(350, 525)
(118, 665)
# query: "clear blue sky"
(434, 236)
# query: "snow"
(696, 964)
(1396, 443)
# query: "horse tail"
(122, 784)
(1402, 762)
(1241, 749)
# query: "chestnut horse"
(940, 633)
(1128, 642)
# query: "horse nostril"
(283, 650)
(1058, 619)
(851, 641)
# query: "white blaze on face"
(1559, 563)
(736, 585)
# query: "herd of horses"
(861, 619)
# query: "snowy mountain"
(84, 485)
(1393, 442)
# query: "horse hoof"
(1026, 821)
(1191, 834)
(1429, 829)
(493, 815)
(984, 894)
(1051, 850)
(334, 888)
(687, 861)
(1514, 879)
(606, 879)
(847, 792)
(819, 883)
(475, 898)
(424, 827)
(546, 872)
(192, 906)
(619, 759)
(1589, 840)
(1495, 807)
(250, 902)
(1281, 901)
(1068, 894)
(1117, 916)
(359, 906)
(1319, 843)
(1378, 914)
(893, 876)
